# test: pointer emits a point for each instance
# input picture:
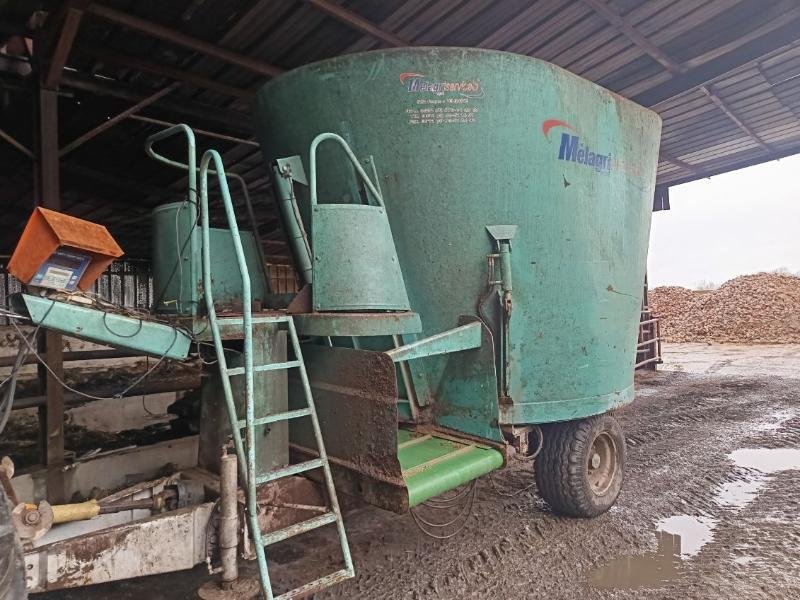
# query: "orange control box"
(61, 252)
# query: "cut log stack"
(763, 308)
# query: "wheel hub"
(603, 463)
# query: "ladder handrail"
(209, 296)
(312, 166)
(247, 326)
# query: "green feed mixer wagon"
(471, 229)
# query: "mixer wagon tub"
(473, 224)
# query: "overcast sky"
(740, 222)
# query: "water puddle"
(692, 533)
(760, 462)
(649, 570)
(767, 460)
(741, 492)
(681, 537)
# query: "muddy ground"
(730, 520)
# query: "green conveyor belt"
(433, 465)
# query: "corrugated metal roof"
(723, 74)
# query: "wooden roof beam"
(72, 20)
(108, 123)
(163, 70)
(634, 35)
(178, 38)
(721, 104)
(678, 162)
(230, 119)
(741, 56)
(356, 21)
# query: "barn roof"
(723, 74)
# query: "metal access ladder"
(246, 450)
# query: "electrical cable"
(144, 403)
(8, 396)
(90, 396)
(134, 334)
(7, 403)
(465, 512)
(449, 502)
(528, 458)
(179, 263)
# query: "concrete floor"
(710, 508)
(780, 360)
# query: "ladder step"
(316, 585)
(290, 470)
(292, 530)
(270, 367)
(284, 416)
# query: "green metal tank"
(482, 153)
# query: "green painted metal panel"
(119, 331)
(178, 285)
(465, 396)
(358, 324)
(433, 465)
(458, 339)
(465, 138)
(355, 261)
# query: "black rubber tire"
(562, 466)
(12, 568)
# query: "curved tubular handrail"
(246, 301)
(192, 175)
(359, 169)
(192, 154)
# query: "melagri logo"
(574, 149)
(416, 83)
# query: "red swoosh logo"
(550, 123)
(404, 76)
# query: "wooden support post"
(72, 21)
(51, 420)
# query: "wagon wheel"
(580, 469)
